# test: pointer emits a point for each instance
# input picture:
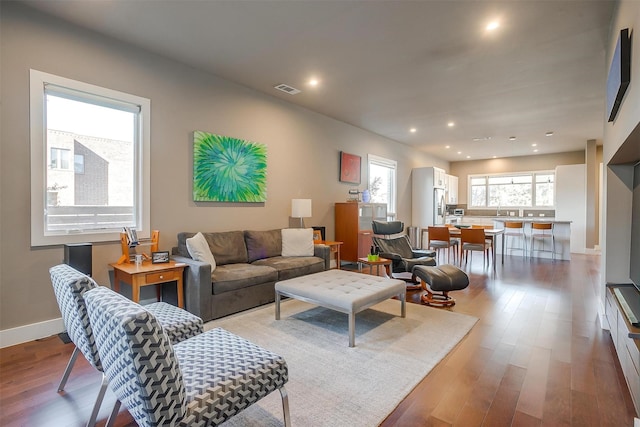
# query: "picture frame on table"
(159, 257)
(317, 236)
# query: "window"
(59, 158)
(78, 163)
(382, 182)
(529, 189)
(96, 177)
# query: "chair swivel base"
(436, 300)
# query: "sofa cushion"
(290, 267)
(263, 244)
(297, 242)
(199, 250)
(227, 247)
(231, 277)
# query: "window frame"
(391, 164)
(486, 176)
(38, 81)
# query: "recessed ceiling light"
(512, 138)
(447, 146)
(451, 124)
(314, 82)
(495, 157)
(483, 138)
(413, 130)
(468, 157)
(534, 145)
(548, 133)
(535, 151)
(492, 25)
(459, 152)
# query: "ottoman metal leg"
(277, 305)
(352, 329)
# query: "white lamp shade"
(301, 208)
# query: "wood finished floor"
(537, 357)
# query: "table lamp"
(301, 208)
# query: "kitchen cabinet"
(353, 227)
(625, 336)
(451, 190)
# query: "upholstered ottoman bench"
(342, 291)
(443, 278)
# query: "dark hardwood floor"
(537, 357)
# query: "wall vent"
(287, 89)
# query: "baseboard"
(34, 331)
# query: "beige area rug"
(331, 384)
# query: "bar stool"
(515, 229)
(543, 231)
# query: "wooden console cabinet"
(353, 227)
(626, 339)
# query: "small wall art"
(227, 169)
(349, 168)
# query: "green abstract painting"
(227, 169)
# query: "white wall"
(571, 203)
(302, 150)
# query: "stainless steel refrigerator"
(439, 206)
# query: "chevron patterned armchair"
(70, 286)
(201, 381)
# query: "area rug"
(331, 384)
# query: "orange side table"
(149, 274)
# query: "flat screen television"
(634, 260)
(619, 74)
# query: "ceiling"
(389, 66)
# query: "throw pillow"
(199, 250)
(297, 242)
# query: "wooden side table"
(149, 274)
(381, 261)
(334, 247)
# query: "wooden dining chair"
(474, 239)
(440, 238)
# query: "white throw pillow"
(297, 242)
(199, 250)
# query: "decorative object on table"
(366, 196)
(227, 169)
(129, 243)
(349, 168)
(322, 230)
(317, 236)
(159, 257)
(301, 208)
(354, 195)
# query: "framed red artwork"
(349, 168)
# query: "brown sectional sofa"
(248, 263)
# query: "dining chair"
(440, 238)
(70, 286)
(474, 239)
(201, 381)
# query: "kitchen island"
(561, 230)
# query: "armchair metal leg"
(67, 371)
(285, 407)
(114, 414)
(96, 406)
